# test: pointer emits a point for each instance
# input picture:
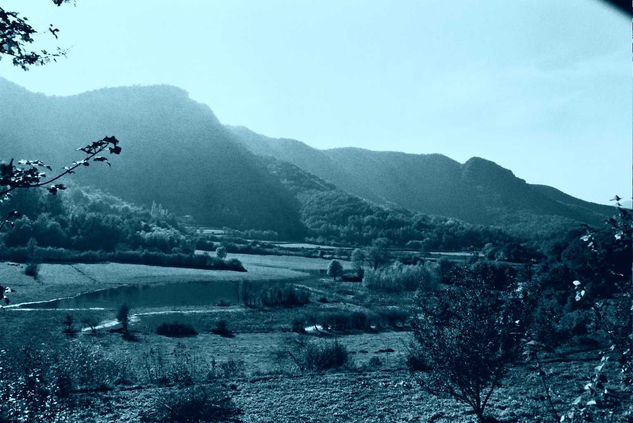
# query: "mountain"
(478, 191)
(175, 152)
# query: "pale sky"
(540, 87)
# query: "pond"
(195, 293)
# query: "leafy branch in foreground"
(16, 33)
(608, 393)
(31, 173)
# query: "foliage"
(607, 271)
(123, 317)
(311, 355)
(358, 259)
(400, 277)
(69, 329)
(220, 253)
(92, 220)
(467, 337)
(32, 269)
(199, 404)
(221, 328)
(37, 385)
(176, 330)
(16, 34)
(334, 216)
(335, 269)
(286, 295)
(31, 173)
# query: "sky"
(542, 87)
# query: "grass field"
(374, 386)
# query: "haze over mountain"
(177, 153)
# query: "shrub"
(312, 355)
(32, 269)
(394, 316)
(193, 404)
(222, 329)
(285, 295)
(123, 317)
(221, 253)
(400, 277)
(68, 330)
(324, 356)
(176, 330)
(347, 320)
(298, 325)
(234, 264)
(233, 368)
(374, 363)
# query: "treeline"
(91, 226)
(34, 254)
(334, 216)
(82, 220)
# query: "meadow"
(254, 359)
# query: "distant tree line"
(334, 216)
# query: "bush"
(394, 317)
(400, 277)
(347, 320)
(298, 325)
(176, 330)
(123, 317)
(234, 264)
(222, 329)
(32, 269)
(220, 253)
(233, 368)
(193, 404)
(312, 355)
(285, 295)
(69, 329)
(324, 356)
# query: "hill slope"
(175, 152)
(478, 191)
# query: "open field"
(253, 364)
(61, 280)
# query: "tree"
(335, 269)
(378, 253)
(221, 253)
(68, 325)
(123, 317)
(467, 336)
(358, 261)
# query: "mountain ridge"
(177, 152)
